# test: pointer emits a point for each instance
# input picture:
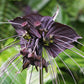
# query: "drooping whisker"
(60, 72)
(10, 43)
(20, 70)
(70, 57)
(51, 74)
(10, 23)
(3, 68)
(10, 75)
(69, 48)
(16, 63)
(72, 50)
(68, 69)
(21, 66)
(9, 69)
(79, 50)
(58, 79)
(30, 75)
(9, 37)
(58, 69)
(57, 76)
(35, 75)
(52, 69)
(14, 78)
(66, 64)
(15, 40)
(71, 39)
(9, 46)
(17, 73)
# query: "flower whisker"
(5, 66)
(54, 74)
(10, 23)
(9, 37)
(10, 69)
(69, 48)
(68, 70)
(60, 71)
(71, 39)
(66, 64)
(9, 46)
(71, 58)
(30, 75)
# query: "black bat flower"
(37, 31)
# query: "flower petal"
(63, 30)
(54, 50)
(18, 27)
(26, 63)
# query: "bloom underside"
(38, 31)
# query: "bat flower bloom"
(37, 32)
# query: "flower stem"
(41, 72)
(40, 75)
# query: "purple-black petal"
(54, 50)
(18, 26)
(63, 36)
(59, 30)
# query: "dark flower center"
(44, 40)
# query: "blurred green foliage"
(71, 13)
